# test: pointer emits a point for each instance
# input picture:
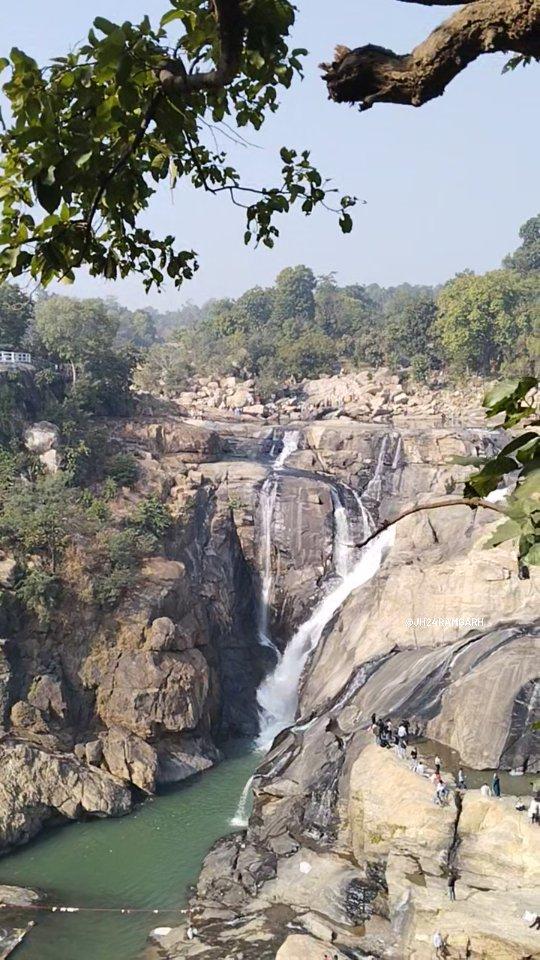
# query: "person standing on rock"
(452, 885)
(461, 782)
(496, 785)
(402, 733)
(440, 948)
(485, 790)
(437, 764)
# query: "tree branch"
(230, 26)
(439, 3)
(115, 170)
(473, 502)
(373, 74)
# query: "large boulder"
(128, 757)
(8, 572)
(37, 785)
(41, 437)
(151, 693)
(46, 694)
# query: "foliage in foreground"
(96, 132)
(518, 463)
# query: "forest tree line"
(302, 326)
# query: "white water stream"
(278, 693)
(342, 546)
(374, 487)
(268, 497)
(241, 817)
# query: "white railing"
(14, 357)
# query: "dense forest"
(302, 326)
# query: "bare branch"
(473, 502)
(373, 74)
(439, 3)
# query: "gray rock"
(93, 753)
(24, 716)
(42, 437)
(151, 693)
(130, 758)
(46, 694)
(37, 785)
(161, 635)
(8, 572)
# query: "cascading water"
(342, 546)
(397, 462)
(290, 445)
(374, 487)
(241, 817)
(268, 499)
(267, 504)
(278, 693)
(368, 525)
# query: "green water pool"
(145, 860)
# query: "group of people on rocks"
(387, 736)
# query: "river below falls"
(145, 860)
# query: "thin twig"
(473, 502)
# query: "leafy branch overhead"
(95, 133)
(517, 463)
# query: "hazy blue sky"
(446, 186)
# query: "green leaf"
(509, 530)
(518, 442)
(48, 195)
(346, 223)
(468, 461)
(532, 557)
(170, 16)
(104, 25)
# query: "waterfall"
(367, 520)
(267, 504)
(374, 487)
(241, 817)
(278, 693)
(343, 546)
(398, 455)
(290, 445)
(269, 491)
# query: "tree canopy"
(94, 133)
(16, 315)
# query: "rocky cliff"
(345, 850)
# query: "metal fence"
(15, 357)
